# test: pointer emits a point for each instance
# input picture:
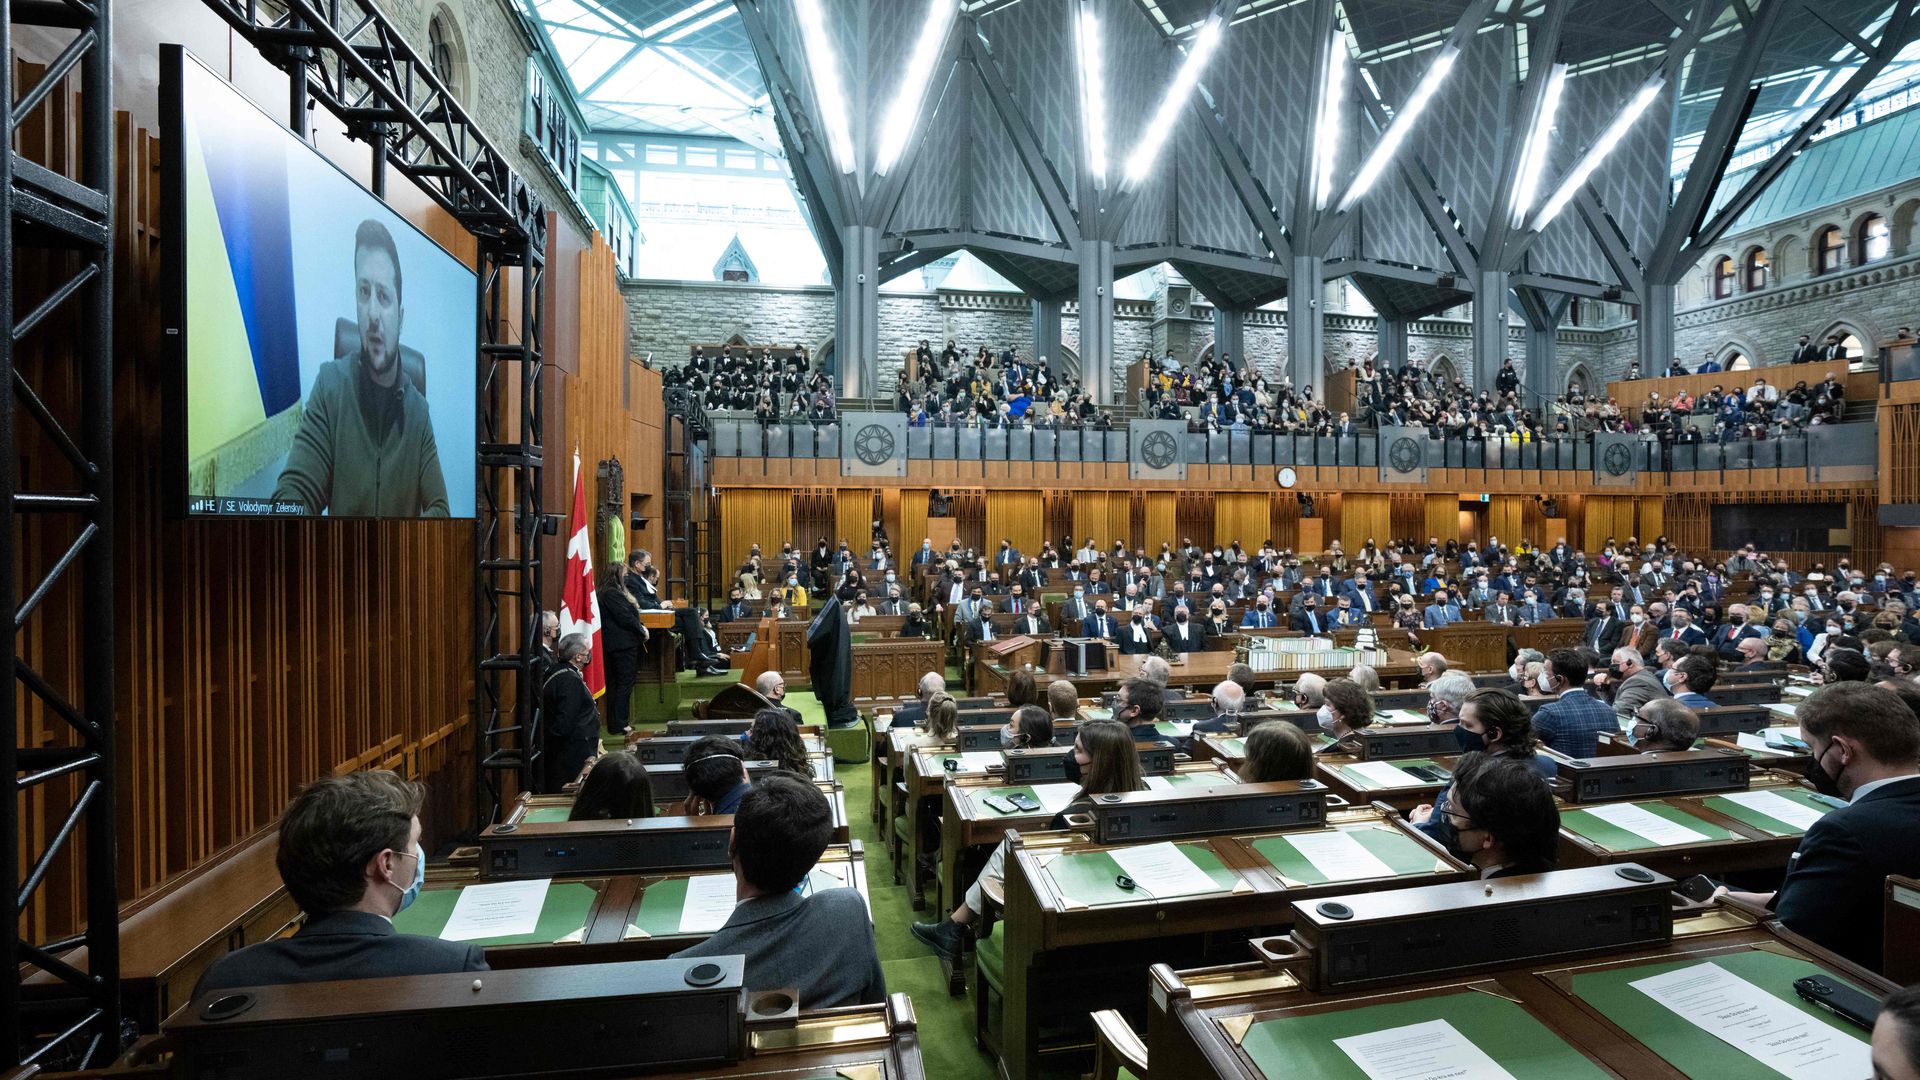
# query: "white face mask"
(1545, 682)
(1637, 618)
(1325, 716)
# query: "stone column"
(1306, 330)
(856, 312)
(1096, 319)
(1046, 340)
(1489, 327)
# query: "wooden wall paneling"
(853, 519)
(1283, 520)
(1442, 517)
(968, 508)
(1241, 515)
(1408, 517)
(1506, 516)
(750, 516)
(1650, 517)
(913, 521)
(1059, 525)
(1192, 518)
(1162, 517)
(1016, 515)
(1900, 453)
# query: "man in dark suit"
(1726, 640)
(1258, 615)
(1360, 590)
(1806, 352)
(1683, 630)
(1603, 632)
(570, 724)
(981, 628)
(1309, 620)
(821, 944)
(1183, 634)
(351, 859)
(1136, 637)
(1503, 611)
(737, 607)
(1075, 609)
(1099, 624)
(1033, 623)
(1572, 724)
(1865, 742)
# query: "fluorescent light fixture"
(1327, 130)
(898, 130)
(1533, 159)
(825, 69)
(1140, 162)
(1093, 94)
(1400, 127)
(1597, 153)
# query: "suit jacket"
(1603, 634)
(1692, 635)
(1536, 612)
(1833, 891)
(1438, 615)
(1636, 690)
(1256, 617)
(1090, 627)
(1694, 701)
(1075, 611)
(1572, 725)
(1315, 622)
(340, 945)
(821, 945)
(1504, 614)
(570, 726)
(1032, 623)
(1805, 354)
(977, 632)
(1725, 638)
(1363, 600)
(1123, 634)
(1184, 637)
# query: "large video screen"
(329, 346)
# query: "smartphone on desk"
(1839, 999)
(1698, 888)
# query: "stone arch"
(1578, 376)
(1863, 330)
(1739, 349)
(1443, 369)
(1904, 218)
(1817, 241)
(1789, 258)
(447, 51)
(1746, 267)
(1857, 238)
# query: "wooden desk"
(1215, 1022)
(1470, 646)
(1073, 942)
(880, 1042)
(656, 685)
(1546, 636)
(1732, 838)
(1202, 669)
(892, 668)
(554, 808)
(1338, 772)
(602, 919)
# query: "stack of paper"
(709, 903)
(1646, 824)
(503, 909)
(1776, 806)
(1435, 1049)
(1758, 1024)
(1338, 856)
(1162, 870)
(1382, 774)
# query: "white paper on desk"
(1747, 740)
(1784, 708)
(1776, 806)
(1404, 718)
(1434, 1050)
(1054, 797)
(709, 903)
(1754, 1022)
(1382, 773)
(1162, 870)
(502, 909)
(975, 761)
(1646, 824)
(1159, 783)
(1338, 856)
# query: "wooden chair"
(989, 967)
(1900, 934)
(1118, 1053)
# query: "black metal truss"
(72, 217)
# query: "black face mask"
(1468, 741)
(1823, 781)
(1071, 767)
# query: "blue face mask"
(412, 891)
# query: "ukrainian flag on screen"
(242, 353)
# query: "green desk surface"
(1362, 783)
(1506, 1032)
(1235, 747)
(1094, 712)
(1613, 838)
(1088, 877)
(1170, 729)
(547, 813)
(564, 914)
(981, 797)
(1391, 846)
(1681, 1044)
(1196, 779)
(1770, 825)
(662, 902)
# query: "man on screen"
(365, 446)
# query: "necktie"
(1313, 621)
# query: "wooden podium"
(1008, 653)
(1469, 646)
(656, 686)
(764, 656)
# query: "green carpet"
(946, 1023)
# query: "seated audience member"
(915, 624)
(1309, 690)
(774, 737)
(1228, 700)
(616, 788)
(1572, 724)
(1368, 678)
(1688, 680)
(1432, 665)
(1517, 672)
(1242, 674)
(1021, 689)
(1346, 710)
(1633, 682)
(1139, 704)
(1663, 724)
(716, 773)
(1896, 1037)
(1445, 695)
(915, 711)
(1753, 654)
(1493, 721)
(943, 718)
(572, 720)
(1503, 817)
(1063, 700)
(1157, 671)
(1029, 727)
(1843, 665)
(1865, 742)
(1104, 761)
(822, 944)
(1276, 750)
(349, 853)
(773, 686)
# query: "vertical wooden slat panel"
(1017, 516)
(1442, 518)
(1241, 515)
(1363, 517)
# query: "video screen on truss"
(327, 346)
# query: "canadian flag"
(579, 604)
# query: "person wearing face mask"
(1259, 615)
(1503, 817)
(1492, 721)
(1139, 703)
(1634, 683)
(1099, 624)
(1136, 637)
(1075, 609)
(1663, 724)
(1533, 609)
(1865, 744)
(1183, 635)
(1347, 709)
(571, 722)
(1229, 698)
(1572, 724)
(1687, 680)
(350, 856)
(1104, 762)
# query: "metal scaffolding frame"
(71, 220)
(349, 58)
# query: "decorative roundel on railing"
(874, 445)
(1158, 450)
(1404, 455)
(1618, 460)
